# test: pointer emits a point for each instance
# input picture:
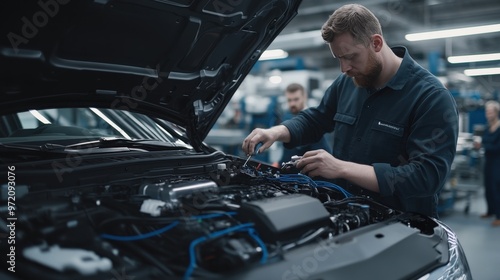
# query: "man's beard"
(374, 68)
(294, 110)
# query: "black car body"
(104, 109)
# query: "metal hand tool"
(257, 147)
(291, 163)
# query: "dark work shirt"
(323, 143)
(491, 144)
(406, 130)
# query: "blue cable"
(294, 178)
(303, 179)
(256, 237)
(214, 215)
(334, 186)
(248, 227)
(243, 227)
(192, 258)
(161, 230)
(140, 236)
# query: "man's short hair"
(354, 19)
(293, 87)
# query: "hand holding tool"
(257, 147)
(291, 163)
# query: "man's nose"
(344, 66)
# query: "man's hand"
(320, 163)
(265, 136)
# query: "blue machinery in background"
(262, 112)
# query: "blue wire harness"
(163, 229)
(248, 227)
(243, 227)
(140, 236)
(303, 179)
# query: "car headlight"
(457, 267)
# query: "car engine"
(201, 221)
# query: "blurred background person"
(491, 145)
(296, 99)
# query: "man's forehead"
(341, 48)
(294, 94)
(344, 44)
(297, 92)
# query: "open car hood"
(179, 60)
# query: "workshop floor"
(481, 241)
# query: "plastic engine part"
(285, 217)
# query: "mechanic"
(395, 125)
(296, 99)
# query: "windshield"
(67, 126)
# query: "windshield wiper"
(113, 142)
(103, 145)
(18, 148)
(26, 150)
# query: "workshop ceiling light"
(456, 32)
(474, 58)
(482, 71)
(275, 79)
(273, 54)
(298, 40)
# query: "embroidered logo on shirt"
(389, 126)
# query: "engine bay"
(230, 218)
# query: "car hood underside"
(178, 60)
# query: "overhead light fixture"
(273, 54)
(275, 79)
(482, 71)
(275, 76)
(474, 58)
(456, 32)
(299, 40)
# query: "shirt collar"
(404, 72)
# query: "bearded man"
(395, 125)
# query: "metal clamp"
(291, 163)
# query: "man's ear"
(377, 42)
